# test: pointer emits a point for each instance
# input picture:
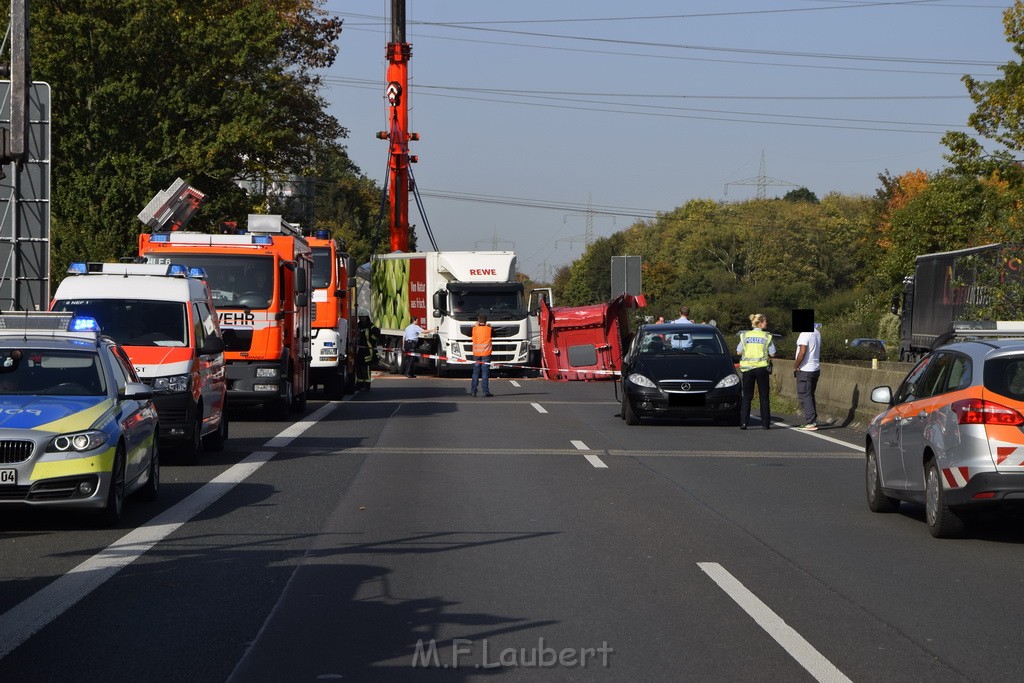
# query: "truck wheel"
(334, 387)
(442, 367)
(349, 385)
(279, 408)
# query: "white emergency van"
(163, 317)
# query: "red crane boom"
(399, 53)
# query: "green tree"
(145, 91)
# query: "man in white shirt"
(409, 340)
(684, 315)
(806, 370)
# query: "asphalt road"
(416, 533)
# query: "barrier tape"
(495, 364)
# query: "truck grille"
(497, 331)
(13, 451)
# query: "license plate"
(8, 476)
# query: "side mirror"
(440, 302)
(213, 345)
(300, 280)
(301, 300)
(136, 391)
(881, 395)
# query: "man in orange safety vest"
(481, 354)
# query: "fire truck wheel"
(350, 382)
(279, 408)
(299, 402)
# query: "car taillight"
(976, 411)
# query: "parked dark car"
(679, 370)
(868, 348)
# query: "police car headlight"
(728, 381)
(641, 381)
(77, 442)
(266, 372)
(171, 384)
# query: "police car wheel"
(111, 513)
(151, 489)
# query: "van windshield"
(134, 322)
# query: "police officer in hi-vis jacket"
(755, 350)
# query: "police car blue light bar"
(82, 323)
(78, 268)
(177, 269)
(160, 237)
(323, 234)
(197, 273)
(262, 239)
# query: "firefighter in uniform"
(366, 351)
(756, 350)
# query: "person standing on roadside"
(684, 315)
(806, 370)
(410, 338)
(756, 350)
(482, 349)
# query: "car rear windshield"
(1005, 376)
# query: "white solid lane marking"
(823, 437)
(791, 641)
(539, 407)
(23, 620)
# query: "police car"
(77, 428)
(952, 435)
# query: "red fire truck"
(334, 329)
(260, 282)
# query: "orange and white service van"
(163, 317)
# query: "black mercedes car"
(680, 370)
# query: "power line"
(805, 121)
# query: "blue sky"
(530, 111)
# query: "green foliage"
(801, 194)
(953, 212)
(212, 91)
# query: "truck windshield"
(321, 276)
(235, 281)
(134, 322)
(496, 304)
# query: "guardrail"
(844, 391)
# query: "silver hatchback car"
(952, 437)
